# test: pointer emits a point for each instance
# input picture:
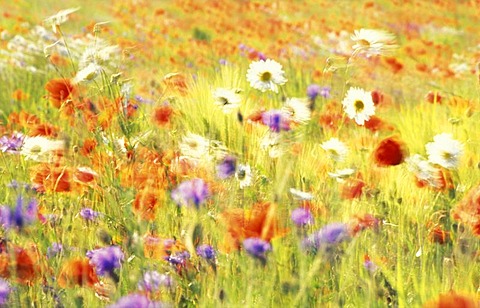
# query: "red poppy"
(468, 210)
(390, 152)
(438, 235)
(162, 115)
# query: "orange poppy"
(19, 95)
(51, 178)
(60, 90)
(438, 235)
(260, 221)
(468, 210)
(77, 272)
(454, 300)
(376, 124)
(147, 201)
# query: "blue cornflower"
(329, 235)
(136, 301)
(12, 144)
(227, 167)
(302, 217)
(257, 247)
(106, 260)
(4, 291)
(153, 280)
(53, 250)
(19, 217)
(179, 258)
(193, 192)
(206, 251)
(89, 214)
(276, 120)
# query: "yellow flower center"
(359, 106)
(266, 76)
(363, 43)
(223, 101)
(447, 156)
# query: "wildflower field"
(239, 153)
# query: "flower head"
(41, 148)
(59, 18)
(330, 234)
(358, 105)
(89, 214)
(192, 192)
(227, 99)
(4, 291)
(336, 149)
(302, 217)
(244, 175)
(257, 247)
(20, 216)
(106, 260)
(137, 301)
(53, 250)
(373, 42)
(153, 280)
(266, 75)
(11, 144)
(314, 90)
(59, 91)
(276, 120)
(390, 152)
(178, 258)
(227, 167)
(298, 110)
(444, 151)
(206, 251)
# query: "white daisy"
(298, 109)
(301, 195)
(59, 18)
(199, 148)
(444, 151)
(41, 148)
(244, 175)
(424, 170)
(227, 99)
(373, 42)
(336, 149)
(271, 143)
(358, 105)
(342, 174)
(89, 73)
(266, 75)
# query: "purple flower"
(12, 144)
(53, 250)
(222, 62)
(20, 216)
(227, 167)
(179, 258)
(106, 260)
(206, 251)
(261, 56)
(153, 280)
(329, 235)
(89, 214)
(257, 247)
(136, 301)
(370, 266)
(314, 90)
(276, 120)
(193, 192)
(4, 291)
(302, 217)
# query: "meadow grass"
(146, 122)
